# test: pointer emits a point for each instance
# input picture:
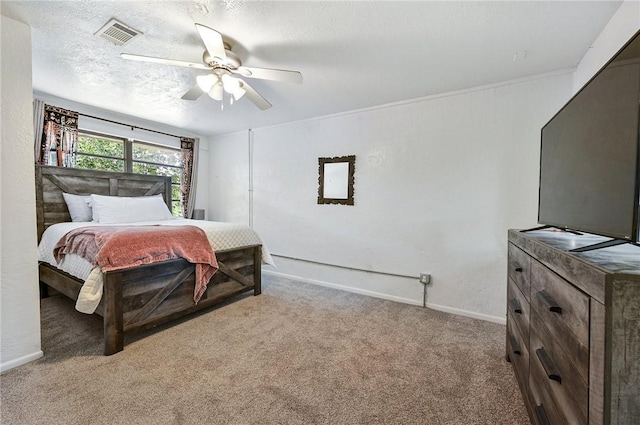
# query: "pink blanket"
(121, 247)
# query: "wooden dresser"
(573, 328)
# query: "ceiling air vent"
(117, 32)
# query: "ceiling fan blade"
(254, 96)
(270, 74)
(163, 61)
(212, 40)
(193, 93)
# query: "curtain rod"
(130, 126)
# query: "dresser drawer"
(519, 264)
(550, 367)
(565, 312)
(543, 407)
(518, 309)
(518, 351)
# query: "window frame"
(107, 137)
(129, 161)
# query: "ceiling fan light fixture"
(216, 91)
(206, 82)
(238, 93)
(229, 83)
(233, 86)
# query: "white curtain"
(38, 128)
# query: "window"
(97, 152)
(101, 152)
(159, 161)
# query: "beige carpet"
(297, 354)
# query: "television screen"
(590, 155)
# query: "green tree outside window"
(99, 152)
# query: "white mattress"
(221, 236)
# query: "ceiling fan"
(223, 64)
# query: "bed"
(142, 297)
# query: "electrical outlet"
(425, 278)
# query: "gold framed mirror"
(336, 180)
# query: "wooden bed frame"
(142, 297)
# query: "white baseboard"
(467, 313)
(446, 309)
(4, 366)
(344, 288)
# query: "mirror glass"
(335, 181)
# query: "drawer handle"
(515, 347)
(542, 415)
(515, 306)
(547, 364)
(519, 269)
(549, 302)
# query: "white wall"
(622, 26)
(438, 183)
(228, 184)
(19, 298)
(202, 186)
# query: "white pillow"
(78, 207)
(122, 209)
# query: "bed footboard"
(143, 297)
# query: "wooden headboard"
(51, 182)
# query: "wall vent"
(117, 32)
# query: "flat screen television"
(590, 155)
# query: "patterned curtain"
(189, 149)
(59, 142)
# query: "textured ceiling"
(352, 55)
